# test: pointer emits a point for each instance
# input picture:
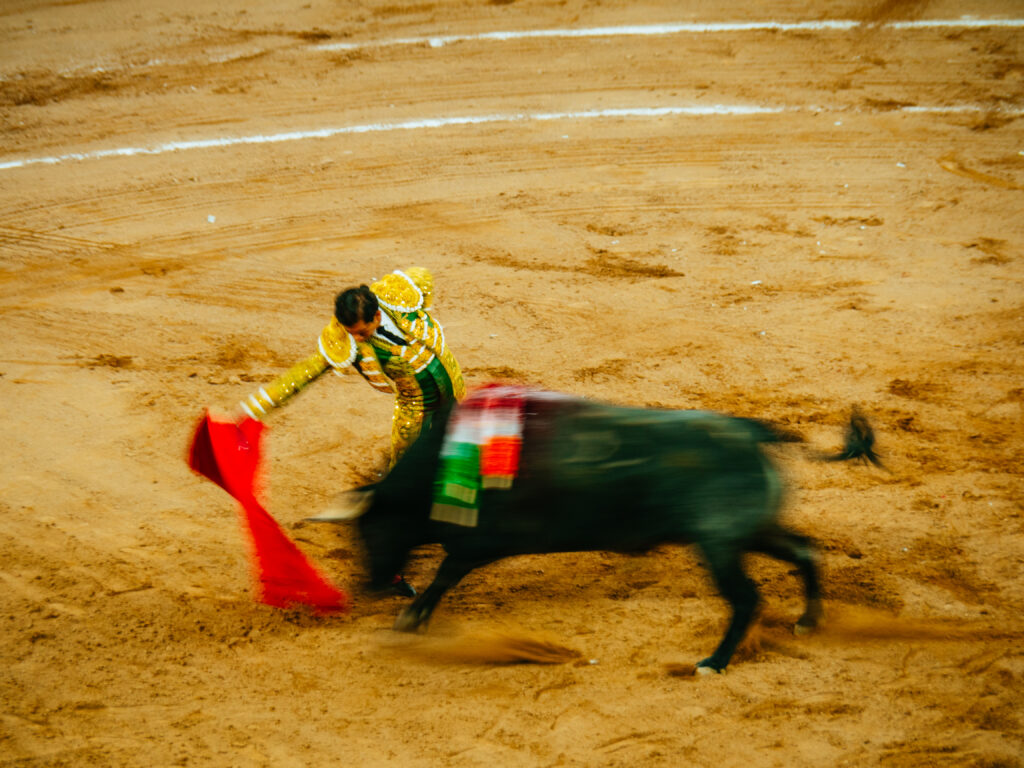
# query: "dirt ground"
(855, 239)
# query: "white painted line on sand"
(439, 41)
(723, 110)
(836, 25)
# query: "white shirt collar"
(388, 325)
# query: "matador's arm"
(336, 349)
(284, 387)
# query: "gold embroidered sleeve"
(283, 388)
(432, 335)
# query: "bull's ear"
(347, 505)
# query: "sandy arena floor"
(778, 220)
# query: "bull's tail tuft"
(860, 441)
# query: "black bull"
(601, 477)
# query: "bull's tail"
(859, 443)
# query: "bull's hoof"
(806, 624)
(409, 620)
(708, 667)
(809, 622)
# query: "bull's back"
(594, 476)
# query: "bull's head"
(393, 514)
(387, 536)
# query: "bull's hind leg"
(736, 587)
(449, 573)
(800, 551)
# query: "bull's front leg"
(727, 569)
(451, 572)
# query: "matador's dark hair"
(355, 305)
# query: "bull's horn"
(347, 505)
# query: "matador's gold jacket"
(423, 374)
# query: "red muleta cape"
(229, 455)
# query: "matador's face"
(363, 331)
